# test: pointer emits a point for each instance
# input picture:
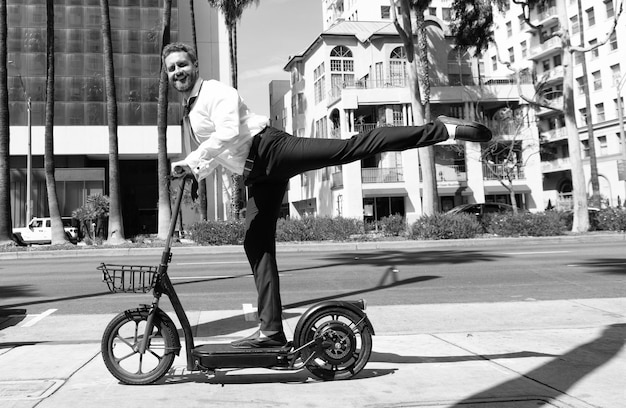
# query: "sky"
(267, 35)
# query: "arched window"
(341, 68)
(459, 68)
(397, 66)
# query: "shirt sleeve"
(215, 122)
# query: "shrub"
(611, 219)
(543, 224)
(445, 226)
(393, 226)
(317, 229)
(218, 232)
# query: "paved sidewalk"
(566, 353)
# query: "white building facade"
(352, 78)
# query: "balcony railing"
(554, 134)
(554, 42)
(382, 175)
(502, 171)
(402, 82)
(450, 172)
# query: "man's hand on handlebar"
(180, 169)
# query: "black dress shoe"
(466, 130)
(275, 340)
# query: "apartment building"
(605, 78)
(352, 78)
(80, 124)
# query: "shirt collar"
(195, 90)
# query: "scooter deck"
(219, 355)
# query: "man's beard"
(185, 85)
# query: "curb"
(315, 246)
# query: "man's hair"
(179, 47)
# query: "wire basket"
(128, 278)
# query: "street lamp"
(620, 115)
(29, 155)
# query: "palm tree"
(232, 11)
(58, 232)
(5, 170)
(116, 225)
(202, 197)
(165, 211)
(417, 58)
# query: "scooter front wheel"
(341, 343)
(120, 347)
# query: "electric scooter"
(332, 339)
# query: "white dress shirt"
(223, 128)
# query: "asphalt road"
(492, 272)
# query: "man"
(223, 131)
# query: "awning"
(500, 189)
(454, 190)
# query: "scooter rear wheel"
(345, 347)
(120, 348)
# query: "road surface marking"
(38, 318)
(536, 252)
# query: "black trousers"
(279, 156)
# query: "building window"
(460, 68)
(524, 49)
(385, 12)
(545, 64)
(597, 81)
(603, 145)
(494, 63)
(578, 58)
(509, 29)
(511, 54)
(573, 22)
(583, 115)
(556, 60)
(613, 41)
(580, 82)
(397, 66)
(600, 112)
(616, 74)
(595, 53)
(341, 68)
(319, 83)
(446, 14)
(432, 11)
(591, 17)
(610, 11)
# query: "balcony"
(559, 164)
(450, 172)
(544, 17)
(502, 171)
(553, 75)
(382, 175)
(548, 47)
(553, 135)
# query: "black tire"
(346, 347)
(119, 347)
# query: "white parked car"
(39, 231)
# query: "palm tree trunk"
(58, 232)
(116, 225)
(165, 210)
(5, 170)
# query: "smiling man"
(219, 129)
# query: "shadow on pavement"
(10, 317)
(608, 266)
(268, 376)
(560, 374)
(406, 257)
(398, 359)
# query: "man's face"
(181, 72)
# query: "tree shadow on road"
(605, 266)
(402, 258)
